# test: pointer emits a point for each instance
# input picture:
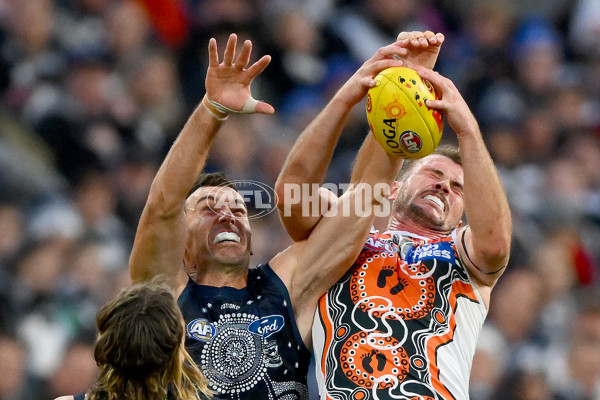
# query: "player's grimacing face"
(432, 193)
(217, 221)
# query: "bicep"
(158, 248)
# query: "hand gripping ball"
(398, 116)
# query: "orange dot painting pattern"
(395, 109)
(384, 323)
(371, 291)
(359, 395)
(367, 367)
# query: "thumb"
(260, 107)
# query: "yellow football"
(398, 116)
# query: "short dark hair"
(211, 179)
(447, 150)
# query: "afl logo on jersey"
(201, 329)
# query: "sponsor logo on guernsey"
(378, 244)
(439, 250)
(201, 329)
(267, 326)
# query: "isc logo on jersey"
(201, 329)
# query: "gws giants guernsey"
(401, 324)
(246, 340)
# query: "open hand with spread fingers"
(228, 82)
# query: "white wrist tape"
(214, 112)
(249, 106)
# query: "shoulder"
(263, 272)
(65, 398)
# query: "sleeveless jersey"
(401, 324)
(246, 340)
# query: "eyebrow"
(205, 197)
(441, 174)
(213, 198)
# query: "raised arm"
(311, 266)
(484, 244)
(310, 156)
(161, 236)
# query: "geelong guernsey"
(401, 324)
(246, 340)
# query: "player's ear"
(394, 191)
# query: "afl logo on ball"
(411, 141)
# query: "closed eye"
(239, 211)
(457, 187)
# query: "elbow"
(161, 205)
(279, 191)
(499, 243)
(279, 195)
(497, 252)
(286, 194)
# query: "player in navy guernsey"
(249, 329)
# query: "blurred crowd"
(93, 92)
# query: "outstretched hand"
(228, 82)
(422, 48)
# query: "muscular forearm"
(486, 205)
(306, 165)
(161, 235)
(374, 165)
(185, 161)
(309, 158)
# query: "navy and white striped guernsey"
(246, 340)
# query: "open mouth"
(227, 237)
(436, 200)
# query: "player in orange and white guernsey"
(404, 321)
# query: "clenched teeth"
(227, 237)
(436, 200)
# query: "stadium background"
(93, 92)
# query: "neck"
(408, 225)
(219, 275)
